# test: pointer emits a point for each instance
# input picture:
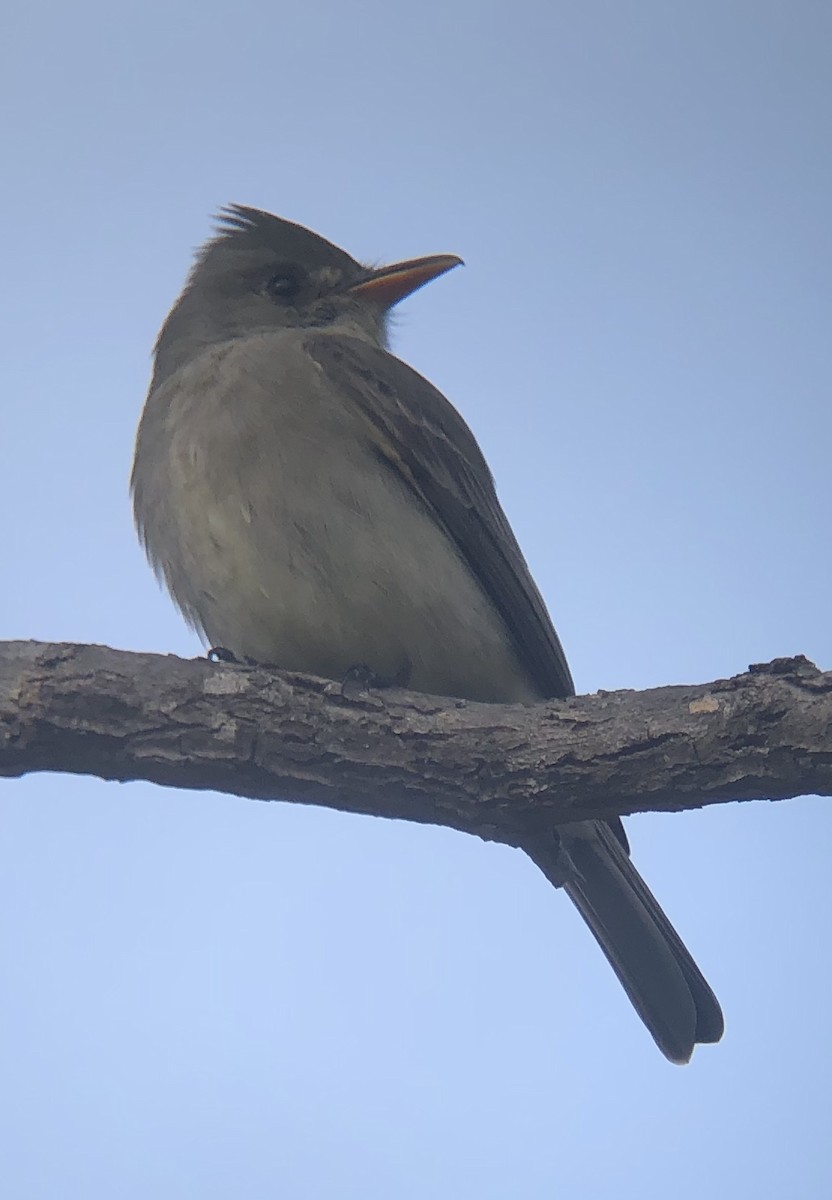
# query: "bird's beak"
(386, 286)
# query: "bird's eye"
(283, 286)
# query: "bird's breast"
(284, 538)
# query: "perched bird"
(313, 503)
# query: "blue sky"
(204, 996)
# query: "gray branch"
(499, 771)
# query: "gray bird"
(313, 503)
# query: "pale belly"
(284, 540)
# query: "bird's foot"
(358, 680)
(219, 654)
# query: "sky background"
(203, 996)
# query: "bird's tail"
(666, 987)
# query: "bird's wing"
(419, 435)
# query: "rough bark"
(493, 770)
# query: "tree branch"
(499, 771)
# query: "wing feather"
(422, 437)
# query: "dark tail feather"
(666, 987)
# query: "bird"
(312, 503)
